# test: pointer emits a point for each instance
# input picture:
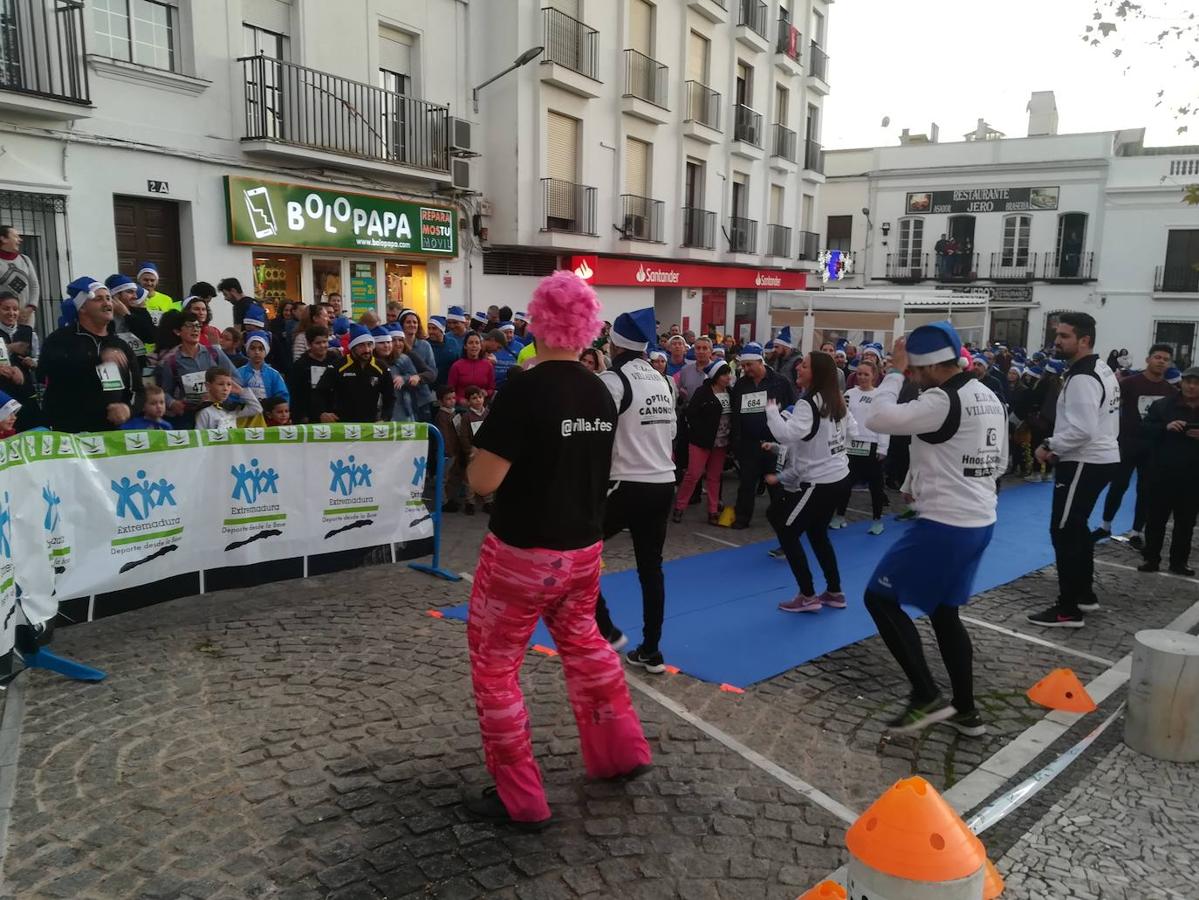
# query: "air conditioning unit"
(461, 175)
(460, 138)
(634, 226)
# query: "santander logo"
(584, 271)
(657, 276)
(767, 280)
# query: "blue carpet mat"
(722, 622)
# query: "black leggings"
(809, 510)
(870, 470)
(899, 633)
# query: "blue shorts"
(931, 565)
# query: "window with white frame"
(1016, 230)
(138, 31)
(911, 242)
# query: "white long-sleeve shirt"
(1087, 427)
(645, 427)
(815, 445)
(861, 437)
(959, 446)
(219, 419)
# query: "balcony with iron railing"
(645, 87)
(778, 240)
(641, 218)
(809, 245)
(301, 114)
(783, 142)
(905, 268)
(1068, 267)
(742, 235)
(1016, 268)
(752, 16)
(571, 54)
(958, 268)
(813, 157)
(567, 206)
(747, 125)
(701, 118)
(699, 229)
(818, 68)
(42, 58)
(1176, 278)
(788, 47)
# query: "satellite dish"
(886, 121)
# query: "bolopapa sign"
(276, 214)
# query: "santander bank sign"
(617, 271)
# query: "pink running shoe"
(801, 604)
(834, 600)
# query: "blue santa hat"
(634, 330)
(507, 326)
(716, 367)
(873, 347)
(718, 351)
(521, 317)
(439, 321)
(1173, 375)
(1034, 371)
(690, 354)
(255, 315)
(1056, 366)
(75, 295)
(381, 334)
(405, 313)
(841, 344)
(658, 354)
(784, 337)
(769, 345)
(480, 317)
(937, 342)
(146, 267)
(360, 334)
(341, 325)
(8, 406)
(455, 314)
(393, 327)
(261, 337)
(752, 351)
(118, 283)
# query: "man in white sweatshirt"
(959, 447)
(642, 476)
(1085, 447)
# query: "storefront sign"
(984, 200)
(616, 271)
(1017, 293)
(272, 214)
(364, 289)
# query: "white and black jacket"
(1087, 428)
(814, 445)
(861, 437)
(959, 446)
(646, 424)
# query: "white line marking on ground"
(1172, 577)
(713, 537)
(1036, 640)
(797, 784)
(10, 750)
(868, 513)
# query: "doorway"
(148, 230)
(1009, 327)
(961, 230)
(713, 312)
(1071, 238)
(1180, 336)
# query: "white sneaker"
(838, 522)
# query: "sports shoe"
(1100, 534)
(833, 600)
(801, 604)
(838, 522)
(919, 716)
(1056, 617)
(618, 639)
(1034, 478)
(631, 775)
(905, 515)
(1184, 571)
(1089, 606)
(713, 518)
(676, 516)
(877, 527)
(651, 662)
(490, 808)
(777, 553)
(1136, 540)
(969, 724)
(1148, 567)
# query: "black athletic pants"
(643, 508)
(870, 470)
(753, 462)
(1132, 459)
(1177, 494)
(1076, 488)
(899, 633)
(808, 511)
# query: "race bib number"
(110, 377)
(133, 342)
(315, 374)
(155, 315)
(753, 403)
(193, 385)
(858, 448)
(4, 361)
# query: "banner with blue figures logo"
(10, 481)
(140, 510)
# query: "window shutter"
(776, 204)
(395, 51)
(636, 169)
(641, 27)
(272, 15)
(697, 58)
(562, 145)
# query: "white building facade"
(669, 151)
(301, 146)
(1043, 224)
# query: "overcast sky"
(923, 61)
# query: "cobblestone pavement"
(313, 739)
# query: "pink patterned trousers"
(514, 587)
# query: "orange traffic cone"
(1061, 689)
(910, 834)
(826, 890)
(993, 883)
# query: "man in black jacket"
(1171, 429)
(311, 394)
(756, 385)
(362, 390)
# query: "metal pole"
(435, 568)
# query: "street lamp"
(524, 59)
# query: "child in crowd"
(260, 377)
(154, 407)
(229, 406)
(469, 423)
(446, 421)
(231, 344)
(276, 410)
(8, 415)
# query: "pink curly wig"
(565, 312)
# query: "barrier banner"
(92, 513)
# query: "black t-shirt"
(555, 424)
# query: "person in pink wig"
(545, 451)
